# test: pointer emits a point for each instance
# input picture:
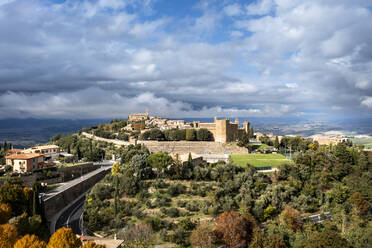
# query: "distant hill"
(25, 132)
(30, 131)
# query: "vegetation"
(177, 202)
(178, 134)
(259, 160)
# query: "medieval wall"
(198, 147)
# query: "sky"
(185, 58)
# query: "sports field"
(367, 142)
(259, 160)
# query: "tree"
(190, 134)
(17, 197)
(204, 134)
(138, 236)
(276, 142)
(35, 200)
(244, 140)
(274, 241)
(30, 241)
(64, 238)
(291, 218)
(160, 161)
(203, 236)
(360, 204)
(5, 213)
(8, 235)
(251, 133)
(269, 211)
(233, 229)
(329, 239)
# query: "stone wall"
(198, 147)
(71, 172)
(55, 203)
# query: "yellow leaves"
(91, 244)
(115, 170)
(90, 200)
(64, 238)
(30, 241)
(8, 235)
(5, 213)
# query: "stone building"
(139, 116)
(223, 130)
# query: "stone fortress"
(223, 130)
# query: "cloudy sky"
(185, 58)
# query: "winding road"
(72, 217)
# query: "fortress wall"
(199, 147)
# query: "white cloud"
(233, 10)
(260, 7)
(291, 85)
(367, 102)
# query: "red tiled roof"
(23, 156)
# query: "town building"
(139, 116)
(223, 130)
(48, 151)
(24, 162)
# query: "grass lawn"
(259, 160)
(367, 142)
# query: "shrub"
(176, 189)
(187, 224)
(192, 206)
(181, 203)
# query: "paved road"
(63, 186)
(72, 216)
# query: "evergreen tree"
(276, 143)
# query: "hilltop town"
(171, 179)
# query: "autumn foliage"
(64, 238)
(233, 229)
(91, 244)
(30, 241)
(291, 218)
(203, 236)
(5, 213)
(8, 236)
(360, 204)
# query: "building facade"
(24, 162)
(139, 116)
(223, 130)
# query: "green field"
(367, 142)
(259, 160)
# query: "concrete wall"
(71, 172)
(57, 202)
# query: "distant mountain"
(25, 132)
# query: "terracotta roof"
(14, 151)
(23, 156)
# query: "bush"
(180, 237)
(187, 224)
(176, 189)
(160, 184)
(171, 212)
(192, 206)
(181, 203)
